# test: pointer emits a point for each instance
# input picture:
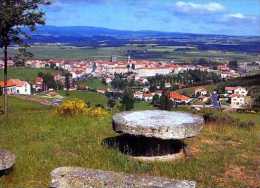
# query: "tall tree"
(128, 100)
(111, 104)
(49, 82)
(156, 100)
(165, 102)
(67, 82)
(233, 64)
(15, 16)
(21, 57)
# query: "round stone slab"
(7, 160)
(158, 124)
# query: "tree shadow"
(142, 146)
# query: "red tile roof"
(177, 96)
(13, 82)
(234, 95)
(8, 84)
(230, 88)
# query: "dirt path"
(35, 99)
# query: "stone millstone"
(73, 177)
(158, 124)
(7, 160)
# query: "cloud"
(84, 1)
(196, 8)
(238, 18)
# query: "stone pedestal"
(7, 160)
(158, 124)
(164, 126)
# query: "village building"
(39, 85)
(167, 85)
(138, 95)
(108, 80)
(148, 97)
(200, 92)
(236, 90)
(239, 102)
(176, 97)
(16, 87)
(241, 91)
(101, 91)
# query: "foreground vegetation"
(223, 155)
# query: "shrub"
(71, 107)
(96, 112)
(77, 107)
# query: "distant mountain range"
(86, 31)
(96, 36)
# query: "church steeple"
(129, 60)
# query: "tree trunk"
(5, 81)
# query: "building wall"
(241, 91)
(24, 90)
(237, 102)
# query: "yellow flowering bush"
(71, 107)
(76, 107)
(96, 112)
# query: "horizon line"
(142, 30)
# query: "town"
(129, 94)
(169, 76)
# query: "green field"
(27, 74)
(91, 97)
(162, 53)
(223, 155)
(94, 83)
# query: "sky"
(230, 17)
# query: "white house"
(148, 97)
(237, 101)
(138, 95)
(17, 87)
(236, 90)
(168, 85)
(241, 91)
(23, 88)
(201, 92)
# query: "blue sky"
(233, 17)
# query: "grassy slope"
(191, 90)
(92, 97)
(224, 156)
(94, 83)
(27, 74)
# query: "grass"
(94, 83)
(27, 74)
(191, 90)
(141, 105)
(224, 156)
(92, 97)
